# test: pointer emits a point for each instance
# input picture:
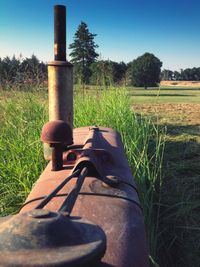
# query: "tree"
(167, 75)
(83, 52)
(145, 71)
(177, 76)
(119, 72)
(19, 73)
(102, 73)
(107, 72)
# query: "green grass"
(21, 162)
(21, 155)
(164, 95)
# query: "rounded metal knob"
(45, 238)
(58, 134)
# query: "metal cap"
(44, 238)
(57, 132)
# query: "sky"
(126, 29)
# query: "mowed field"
(171, 105)
(178, 111)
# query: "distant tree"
(145, 71)
(83, 53)
(177, 76)
(107, 72)
(167, 75)
(190, 74)
(102, 73)
(119, 72)
(18, 72)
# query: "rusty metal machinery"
(84, 209)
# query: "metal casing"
(115, 209)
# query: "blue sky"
(125, 28)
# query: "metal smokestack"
(60, 33)
(60, 76)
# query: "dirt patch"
(180, 83)
(173, 113)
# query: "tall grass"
(21, 162)
(21, 155)
(143, 143)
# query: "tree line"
(21, 73)
(144, 71)
(189, 74)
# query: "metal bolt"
(111, 180)
(39, 213)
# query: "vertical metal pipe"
(60, 77)
(57, 157)
(60, 85)
(59, 33)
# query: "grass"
(21, 156)
(161, 95)
(179, 224)
(21, 161)
(143, 144)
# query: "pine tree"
(83, 53)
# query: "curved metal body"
(114, 207)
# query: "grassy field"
(169, 183)
(165, 95)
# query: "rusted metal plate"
(115, 209)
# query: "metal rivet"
(39, 213)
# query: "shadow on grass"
(193, 130)
(179, 89)
(163, 89)
(180, 207)
(161, 95)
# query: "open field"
(165, 95)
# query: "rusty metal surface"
(60, 91)
(115, 209)
(44, 238)
(60, 79)
(60, 88)
(58, 134)
(60, 32)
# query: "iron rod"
(69, 202)
(56, 190)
